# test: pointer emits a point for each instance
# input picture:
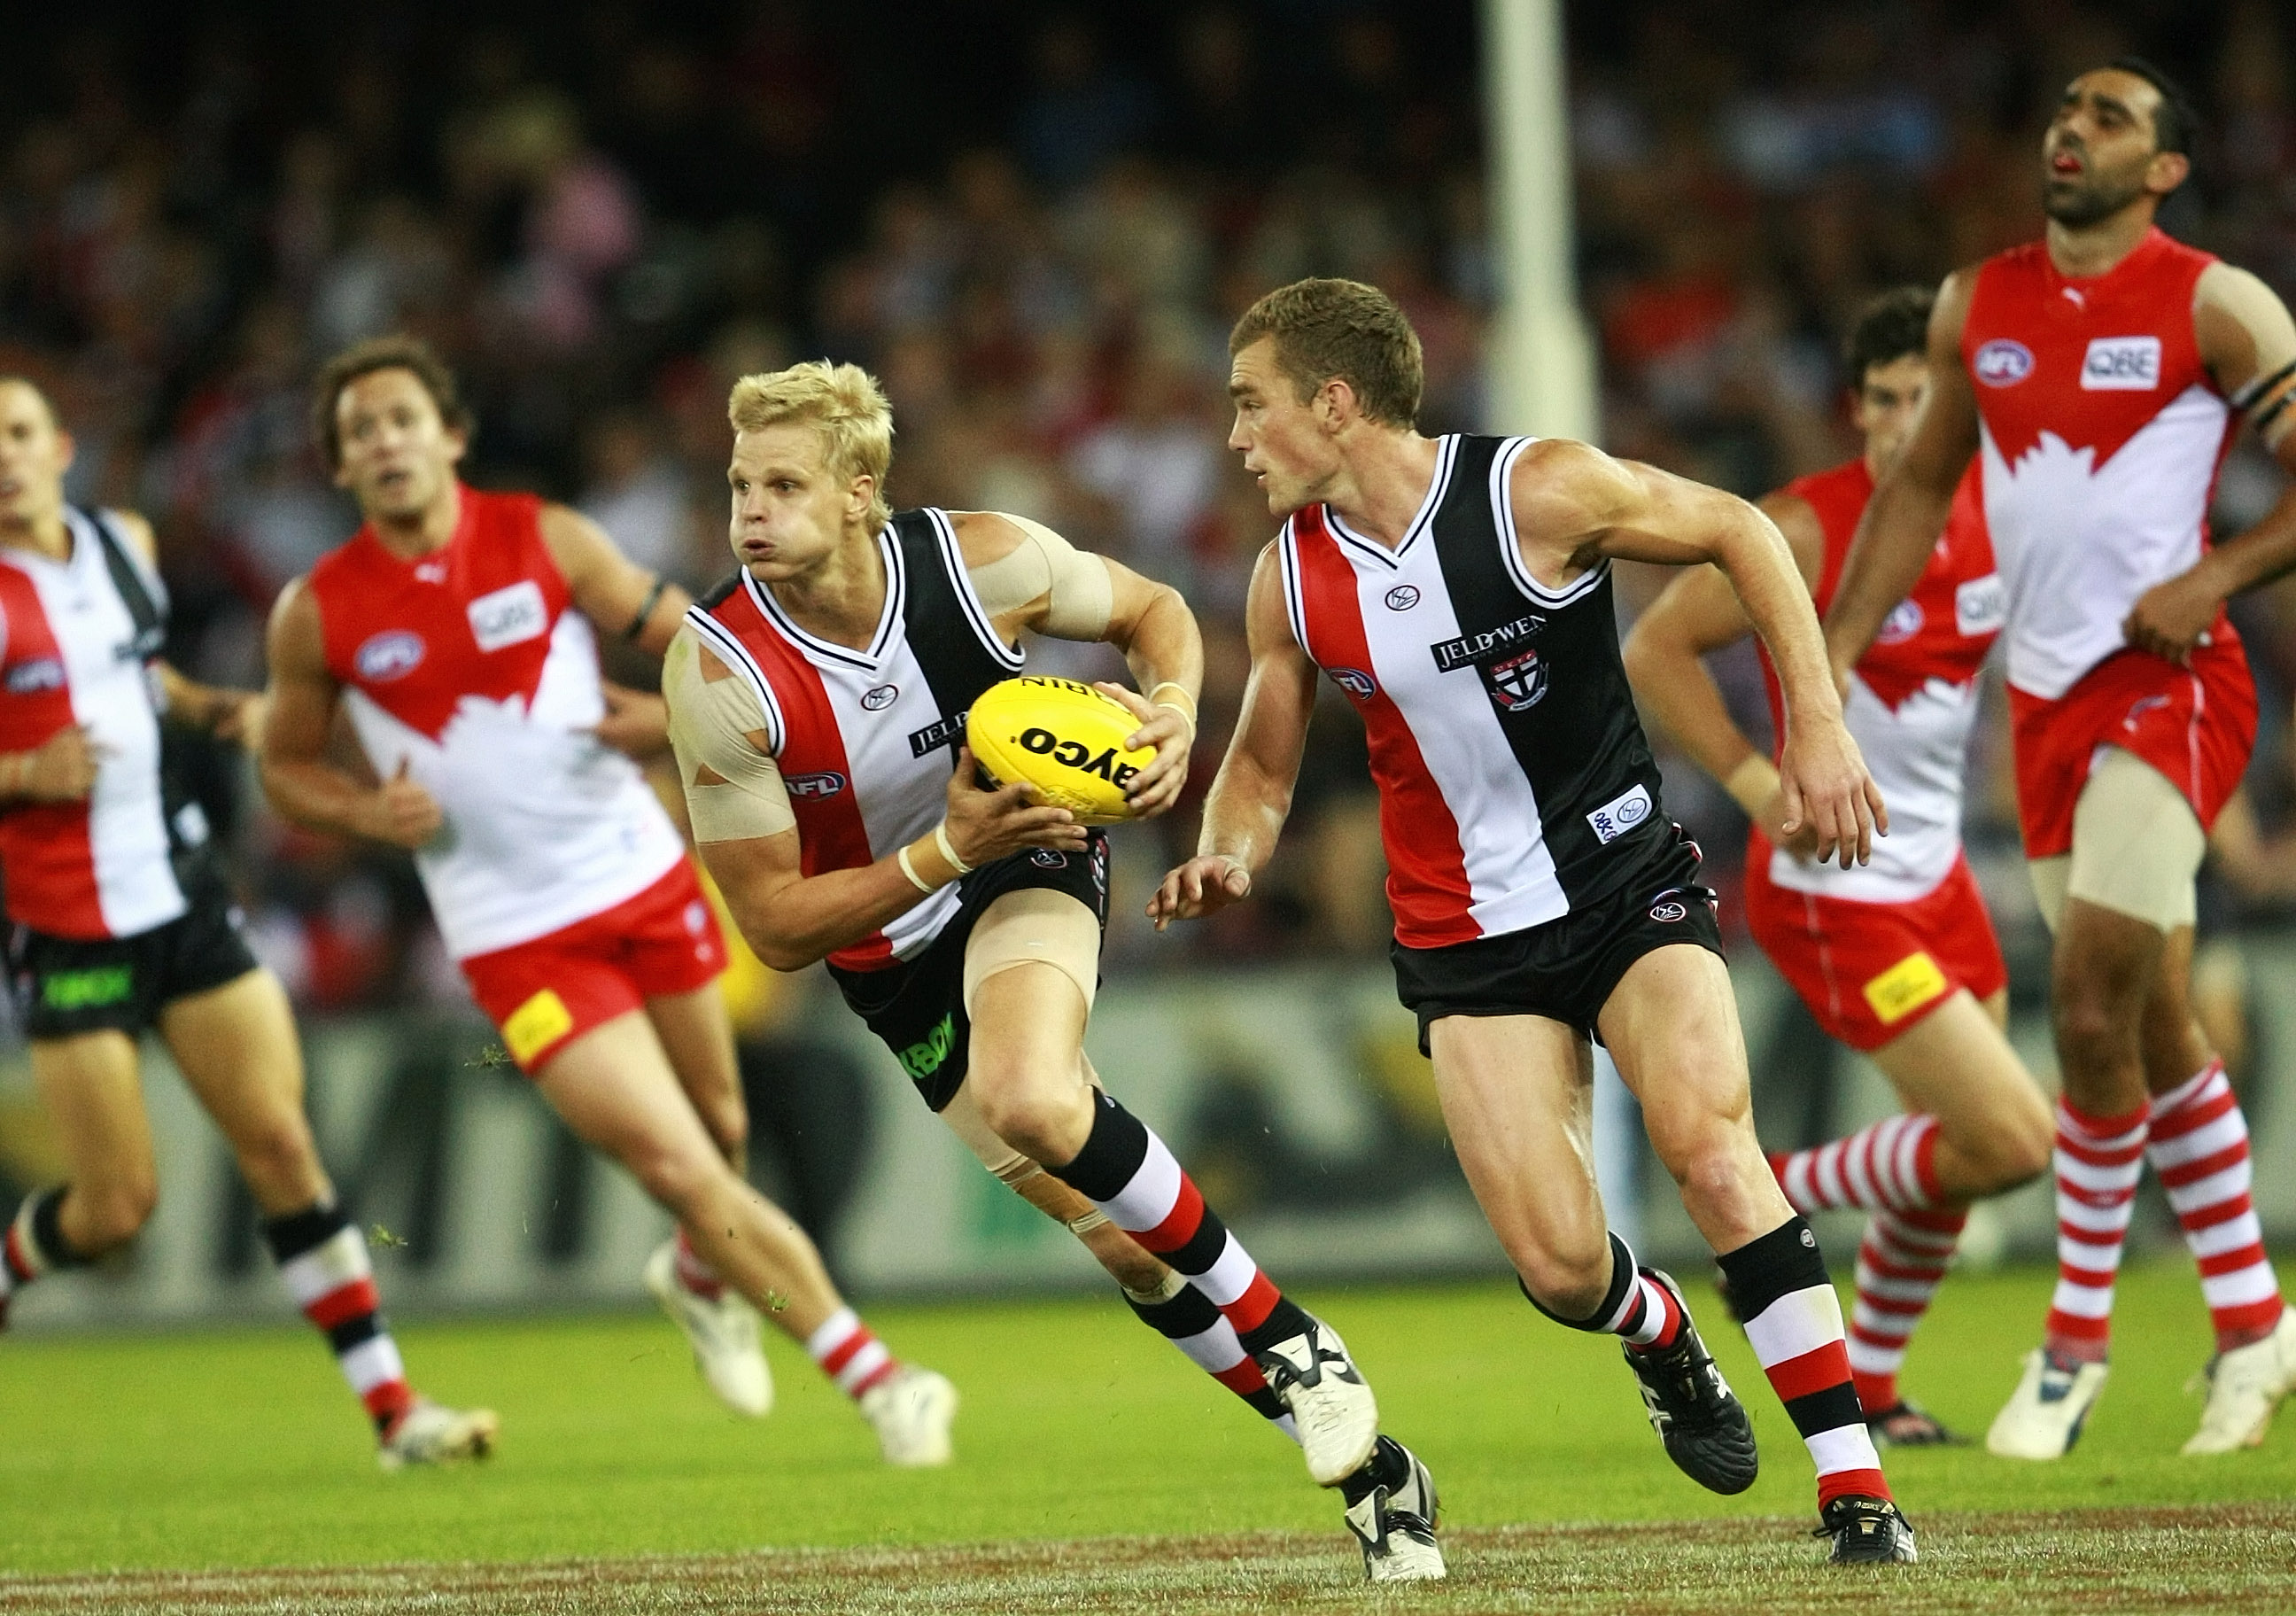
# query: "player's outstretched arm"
(2249, 344)
(298, 717)
(1914, 498)
(1574, 504)
(747, 832)
(1251, 796)
(1028, 577)
(1699, 613)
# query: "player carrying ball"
(1458, 590)
(457, 629)
(122, 924)
(817, 704)
(1895, 958)
(2097, 377)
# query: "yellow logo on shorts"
(537, 1024)
(1904, 988)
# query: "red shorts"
(2195, 724)
(547, 992)
(1867, 971)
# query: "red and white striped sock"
(322, 1260)
(1793, 1322)
(1889, 1167)
(695, 1275)
(33, 1244)
(2098, 1161)
(1900, 1264)
(2200, 1148)
(849, 1353)
(1126, 1171)
(1185, 1317)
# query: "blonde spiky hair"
(843, 401)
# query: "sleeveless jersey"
(77, 637)
(2102, 437)
(471, 665)
(1515, 783)
(866, 739)
(1913, 696)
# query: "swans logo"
(392, 654)
(2002, 363)
(1355, 682)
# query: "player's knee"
(1039, 1120)
(678, 1180)
(280, 1152)
(1569, 1284)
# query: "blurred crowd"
(1035, 224)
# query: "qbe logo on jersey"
(2121, 364)
(1621, 815)
(509, 616)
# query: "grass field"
(1095, 1472)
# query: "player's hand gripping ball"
(1062, 737)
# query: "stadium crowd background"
(1036, 224)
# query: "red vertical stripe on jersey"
(831, 833)
(1427, 884)
(45, 848)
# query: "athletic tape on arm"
(734, 793)
(1075, 585)
(2266, 319)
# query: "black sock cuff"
(1777, 1264)
(1188, 1313)
(1622, 1279)
(46, 1229)
(291, 1236)
(1286, 1320)
(1113, 1153)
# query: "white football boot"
(912, 1409)
(2245, 1385)
(1396, 1529)
(1338, 1418)
(723, 1334)
(2042, 1419)
(431, 1433)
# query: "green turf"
(239, 1448)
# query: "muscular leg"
(698, 1039)
(94, 1099)
(614, 1087)
(237, 1049)
(1957, 1065)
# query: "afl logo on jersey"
(1903, 623)
(814, 788)
(392, 654)
(1355, 682)
(2002, 363)
(29, 678)
(1403, 597)
(879, 699)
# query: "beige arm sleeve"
(1074, 584)
(734, 791)
(2265, 395)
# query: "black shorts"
(65, 986)
(1566, 969)
(916, 1006)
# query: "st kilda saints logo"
(1507, 657)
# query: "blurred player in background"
(1895, 958)
(122, 923)
(458, 628)
(2098, 376)
(818, 702)
(1458, 590)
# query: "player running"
(457, 629)
(1458, 590)
(818, 702)
(1895, 958)
(122, 924)
(2097, 373)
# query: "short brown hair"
(1327, 328)
(397, 351)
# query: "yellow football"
(1064, 738)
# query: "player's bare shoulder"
(1563, 496)
(984, 537)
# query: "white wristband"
(910, 870)
(940, 840)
